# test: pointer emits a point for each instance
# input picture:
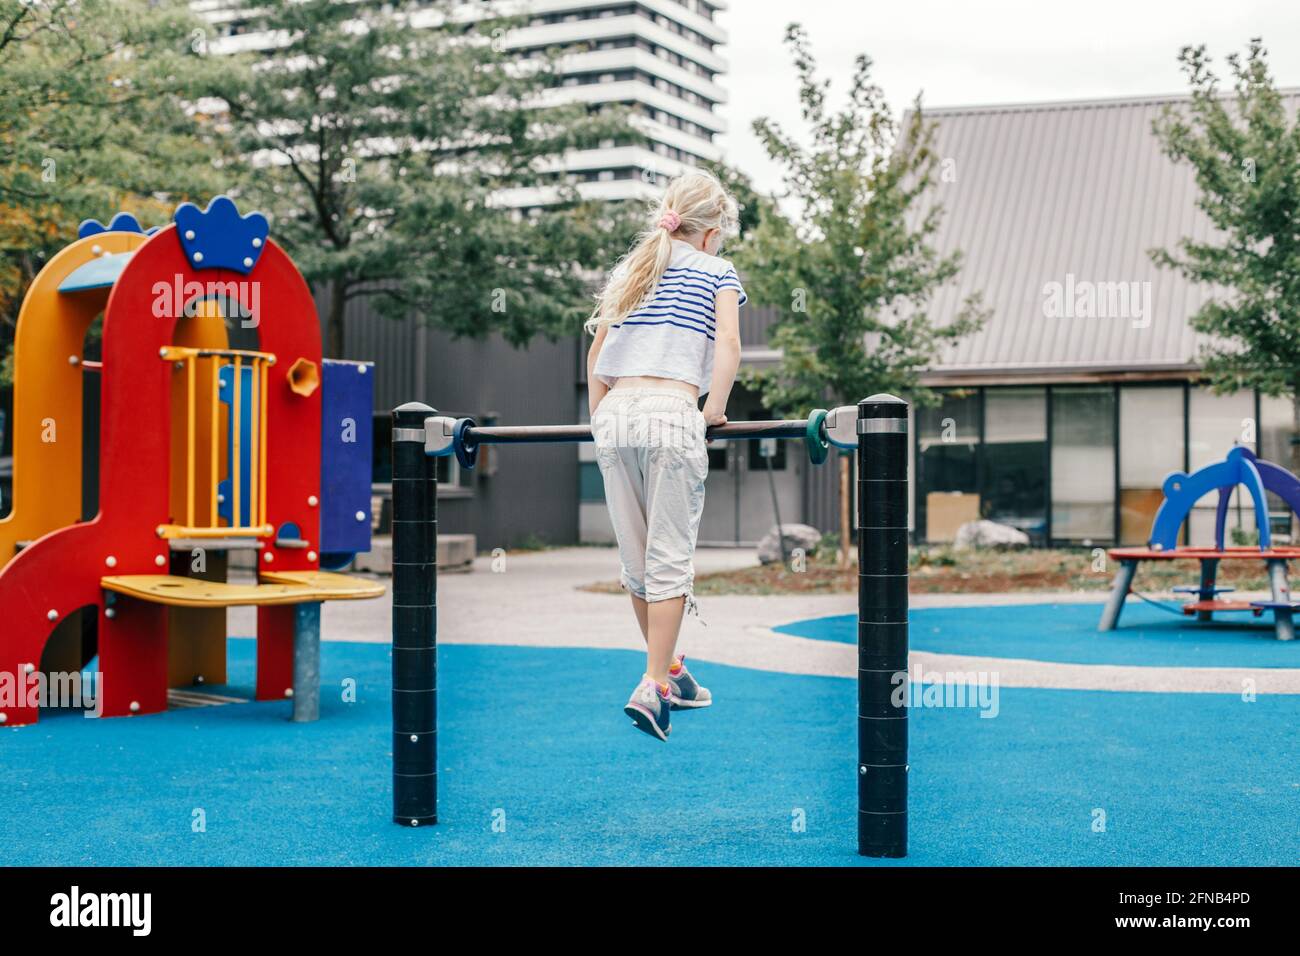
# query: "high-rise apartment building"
(659, 58)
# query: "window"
(1214, 424)
(947, 489)
(1276, 433)
(1150, 448)
(1015, 460)
(1083, 464)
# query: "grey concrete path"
(533, 599)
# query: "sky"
(972, 52)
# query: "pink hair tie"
(670, 221)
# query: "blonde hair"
(694, 202)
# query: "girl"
(666, 329)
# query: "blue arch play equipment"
(1275, 478)
(1241, 467)
(1182, 491)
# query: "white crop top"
(671, 334)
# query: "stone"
(989, 534)
(795, 535)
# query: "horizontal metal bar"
(535, 434)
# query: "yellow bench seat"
(276, 587)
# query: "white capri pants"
(653, 456)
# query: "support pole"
(415, 623)
(1209, 576)
(1283, 621)
(882, 626)
(306, 662)
(1118, 595)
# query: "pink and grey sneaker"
(684, 690)
(648, 709)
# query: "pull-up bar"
(876, 427)
(463, 436)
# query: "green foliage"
(383, 139)
(1244, 537)
(854, 271)
(89, 125)
(1245, 155)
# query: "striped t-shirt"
(671, 334)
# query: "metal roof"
(1043, 192)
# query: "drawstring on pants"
(693, 606)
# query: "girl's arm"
(596, 389)
(726, 355)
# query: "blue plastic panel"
(247, 436)
(219, 237)
(98, 273)
(347, 454)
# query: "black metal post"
(882, 626)
(415, 621)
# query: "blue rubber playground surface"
(1067, 634)
(538, 765)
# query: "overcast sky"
(966, 52)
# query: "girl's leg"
(640, 609)
(665, 623)
(675, 472)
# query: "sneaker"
(685, 691)
(649, 709)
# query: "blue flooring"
(534, 741)
(1067, 633)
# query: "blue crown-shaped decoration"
(219, 237)
(122, 222)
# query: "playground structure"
(1240, 468)
(876, 427)
(221, 429)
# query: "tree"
(854, 270)
(384, 138)
(1245, 155)
(89, 125)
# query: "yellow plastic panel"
(189, 592)
(47, 394)
(332, 586)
